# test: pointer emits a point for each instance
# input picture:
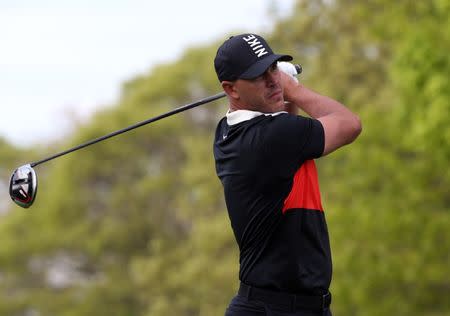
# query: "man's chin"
(280, 105)
(271, 107)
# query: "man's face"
(264, 93)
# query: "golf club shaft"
(151, 120)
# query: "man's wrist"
(294, 94)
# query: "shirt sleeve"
(290, 140)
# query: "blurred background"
(137, 225)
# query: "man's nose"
(270, 78)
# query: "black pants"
(241, 306)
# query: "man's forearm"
(314, 104)
(340, 125)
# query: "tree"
(137, 225)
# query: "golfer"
(264, 155)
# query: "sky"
(60, 60)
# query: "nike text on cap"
(245, 56)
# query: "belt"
(285, 301)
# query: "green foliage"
(137, 225)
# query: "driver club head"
(23, 186)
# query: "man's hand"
(289, 81)
(290, 85)
(290, 69)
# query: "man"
(264, 158)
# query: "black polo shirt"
(265, 163)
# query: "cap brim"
(260, 67)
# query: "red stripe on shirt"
(305, 192)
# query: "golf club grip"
(129, 128)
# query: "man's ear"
(230, 89)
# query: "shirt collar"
(238, 116)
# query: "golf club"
(23, 183)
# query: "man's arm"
(340, 125)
